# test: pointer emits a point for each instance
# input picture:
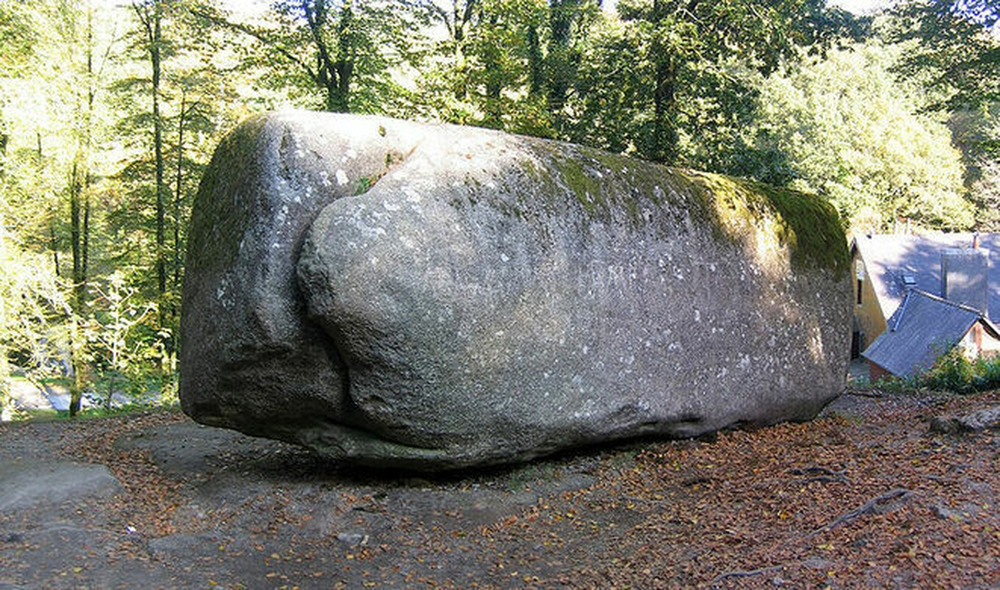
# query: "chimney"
(964, 276)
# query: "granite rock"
(432, 297)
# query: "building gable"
(923, 328)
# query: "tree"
(957, 49)
(343, 52)
(555, 58)
(51, 181)
(30, 297)
(183, 100)
(854, 134)
(976, 132)
(683, 41)
(150, 14)
(29, 293)
(82, 205)
(18, 36)
(507, 64)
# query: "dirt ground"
(862, 497)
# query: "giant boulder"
(432, 296)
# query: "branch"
(258, 35)
(315, 22)
(820, 474)
(746, 573)
(868, 507)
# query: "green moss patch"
(807, 225)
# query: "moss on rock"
(808, 226)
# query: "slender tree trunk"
(536, 65)
(345, 59)
(663, 143)
(151, 17)
(664, 147)
(76, 346)
(76, 189)
(4, 138)
(175, 283)
(493, 106)
(334, 73)
(54, 246)
(560, 61)
(80, 223)
(3, 148)
(88, 146)
(178, 197)
(161, 189)
(460, 21)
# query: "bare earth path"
(863, 497)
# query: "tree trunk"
(77, 186)
(345, 60)
(460, 21)
(54, 246)
(80, 225)
(333, 73)
(175, 283)
(560, 60)
(178, 196)
(77, 244)
(87, 146)
(536, 69)
(4, 138)
(155, 61)
(663, 143)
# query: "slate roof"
(923, 328)
(888, 257)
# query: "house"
(935, 276)
(923, 328)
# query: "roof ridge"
(930, 235)
(934, 297)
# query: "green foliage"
(495, 68)
(110, 335)
(958, 49)
(18, 36)
(954, 371)
(334, 56)
(851, 133)
(976, 132)
(685, 50)
(30, 298)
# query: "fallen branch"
(745, 573)
(874, 393)
(868, 507)
(820, 474)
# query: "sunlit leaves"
(853, 134)
(958, 49)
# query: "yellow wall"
(868, 314)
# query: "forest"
(109, 112)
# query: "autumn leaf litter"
(863, 497)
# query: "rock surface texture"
(433, 297)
